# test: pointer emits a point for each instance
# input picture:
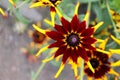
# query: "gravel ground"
(13, 64)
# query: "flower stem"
(82, 70)
(87, 25)
(22, 3)
(38, 71)
(113, 24)
(88, 11)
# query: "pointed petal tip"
(76, 8)
(98, 25)
(60, 70)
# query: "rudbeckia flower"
(72, 40)
(38, 38)
(99, 60)
(51, 3)
(115, 16)
(102, 66)
(2, 12)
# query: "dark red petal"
(88, 46)
(74, 23)
(103, 57)
(88, 40)
(66, 55)
(52, 9)
(88, 32)
(89, 72)
(82, 53)
(60, 51)
(81, 27)
(65, 24)
(56, 44)
(89, 53)
(60, 28)
(55, 35)
(74, 55)
(102, 71)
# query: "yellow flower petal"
(58, 58)
(32, 45)
(12, 2)
(103, 44)
(111, 11)
(48, 59)
(105, 78)
(98, 25)
(30, 33)
(41, 50)
(36, 4)
(116, 51)
(90, 66)
(2, 12)
(115, 39)
(58, 12)
(60, 70)
(48, 22)
(38, 29)
(105, 52)
(86, 16)
(90, 78)
(100, 40)
(75, 69)
(117, 63)
(52, 13)
(113, 72)
(76, 8)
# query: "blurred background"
(15, 61)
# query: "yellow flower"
(38, 38)
(115, 16)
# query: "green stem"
(113, 24)
(22, 3)
(87, 25)
(82, 70)
(38, 71)
(88, 10)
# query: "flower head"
(38, 38)
(72, 40)
(100, 63)
(99, 60)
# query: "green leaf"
(105, 18)
(97, 9)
